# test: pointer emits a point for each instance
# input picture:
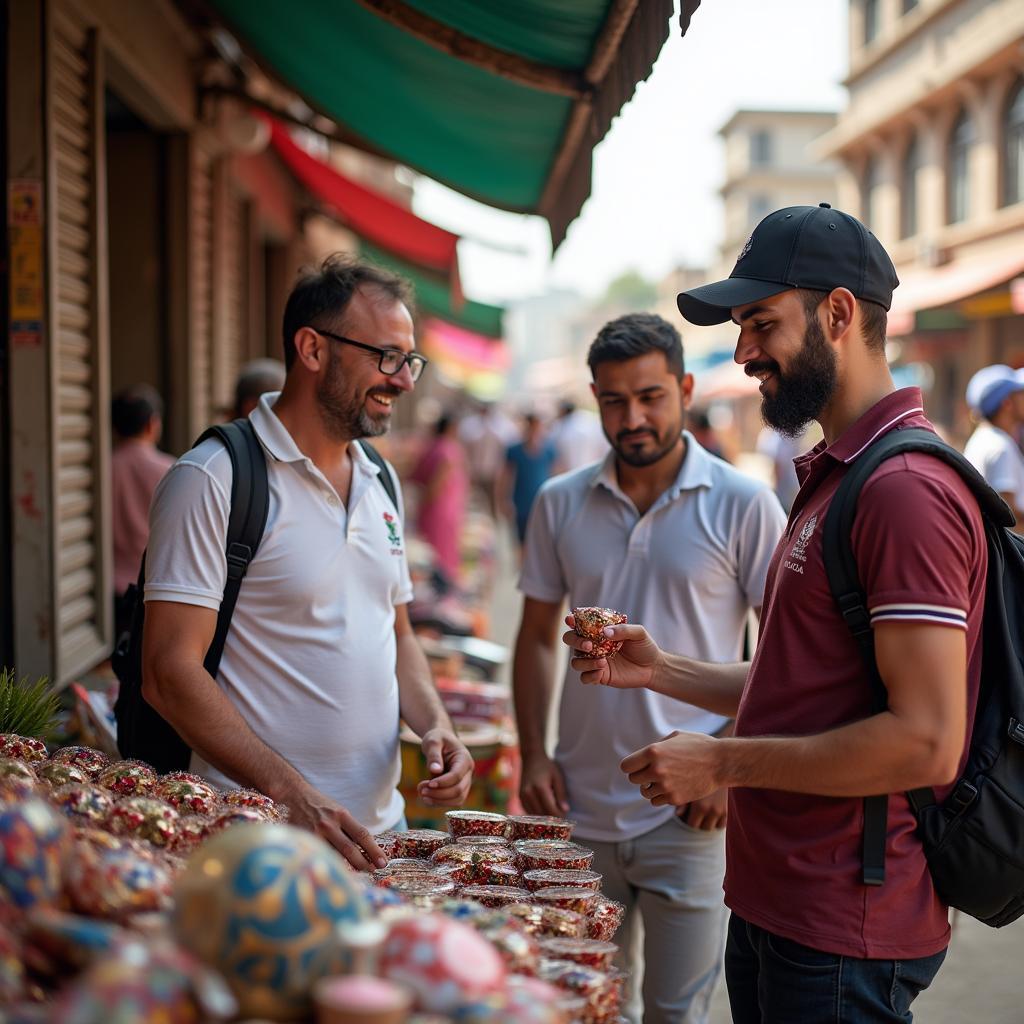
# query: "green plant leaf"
(27, 709)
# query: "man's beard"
(646, 457)
(344, 411)
(805, 388)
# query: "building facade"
(151, 239)
(771, 163)
(932, 148)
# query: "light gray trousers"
(673, 936)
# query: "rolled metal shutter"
(201, 269)
(231, 271)
(79, 370)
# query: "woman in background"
(444, 486)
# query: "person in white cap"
(996, 396)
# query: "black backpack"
(974, 839)
(141, 732)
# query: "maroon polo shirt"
(794, 860)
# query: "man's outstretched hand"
(633, 666)
(310, 809)
(451, 769)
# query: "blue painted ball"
(261, 903)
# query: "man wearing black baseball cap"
(809, 940)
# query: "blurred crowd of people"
(501, 461)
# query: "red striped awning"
(372, 216)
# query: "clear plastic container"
(494, 895)
(540, 826)
(420, 842)
(544, 878)
(476, 823)
(589, 952)
(567, 898)
(536, 854)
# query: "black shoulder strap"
(379, 461)
(844, 581)
(250, 501)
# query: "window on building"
(1013, 146)
(758, 207)
(908, 187)
(958, 168)
(760, 148)
(909, 5)
(872, 20)
(869, 192)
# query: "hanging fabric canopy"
(368, 213)
(432, 296)
(502, 101)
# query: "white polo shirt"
(309, 660)
(995, 455)
(689, 570)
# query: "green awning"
(433, 296)
(502, 101)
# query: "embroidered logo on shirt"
(393, 535)
(798, 553)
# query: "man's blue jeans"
(772, 980)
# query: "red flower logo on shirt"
(389, 522)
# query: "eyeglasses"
(391, 359)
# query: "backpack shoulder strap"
(848, 592)
(250, 502)
(386, 480)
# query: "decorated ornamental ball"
(12, 967)
(90, 761)
(183, 776)
(590, 623)
(236, 816)
(192, 830)
(22, 748)
(253, 800)
(55, 774)
(445, 963)
(187, 796)
(144, 818)
(145, 981)
(17, 780)
(34, 843)
(82, 803)
(116, 884)
(127, 778)
(262, 904)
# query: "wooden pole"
(560, 81)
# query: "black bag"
(974, 839)
(141, 731)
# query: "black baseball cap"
(812, 247)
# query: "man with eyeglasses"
(320, 661)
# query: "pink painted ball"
(446, 964)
